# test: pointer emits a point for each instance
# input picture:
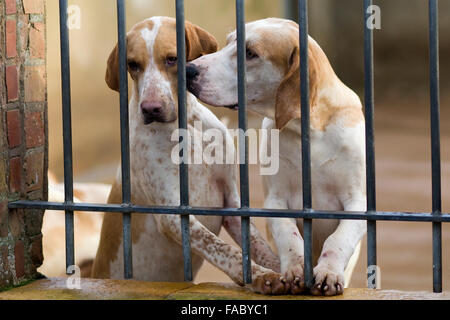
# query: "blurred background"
(401, 108)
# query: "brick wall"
(23, 136)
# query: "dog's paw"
(295, 276)
(270, 283)
(327, 282)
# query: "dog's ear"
(198, 42)
(112, 70)
(287, 103)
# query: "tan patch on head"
(280, 45)
(136, 51)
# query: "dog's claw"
(271, 284)
(328, 282)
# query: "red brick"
(34, 168)
(33, 6)
(4, 219)
(37, 41)
(12, 83)
(14, 128)
(34, 129)
(19, 254)
(15, 174)
(11, 6)
(11, 44)
(35, 83)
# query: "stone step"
(94, 289)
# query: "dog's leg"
(336, 252)
(289, 243)
(222, 255)
(261, 252)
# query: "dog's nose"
(191, 71)
(151, 111)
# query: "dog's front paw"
(270, 283)
(295, 276)
(327, 282)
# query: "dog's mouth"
(232, 106)
(147, 121)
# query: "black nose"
(151, 111)
(191, 71)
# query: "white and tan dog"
(337, 143)
(157, 254)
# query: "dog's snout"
(191, 71)
(151, 111)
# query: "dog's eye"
(251, 54)
(171, 61)
(133, 66)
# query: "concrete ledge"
(93, 289)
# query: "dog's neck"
(330, 99)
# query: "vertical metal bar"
(306, 151)
(243, 139)
(182, 124)
(435, 143)
(124, 138)
(370, 142)
(291, 10)
(67, 131)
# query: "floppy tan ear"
(198, 42)
(112, 70)
(287, 103)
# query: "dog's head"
(152, 64)
(273, 71)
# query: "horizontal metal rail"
(244, 212)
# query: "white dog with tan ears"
(336, 136)
(157, 253)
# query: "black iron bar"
(435, 143)
(182, 124)
(370, 143)
(124, 139)
(67, 132)
(243, 139)
(306, 151)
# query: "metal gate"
(436, 217)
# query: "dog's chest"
(155, 176)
